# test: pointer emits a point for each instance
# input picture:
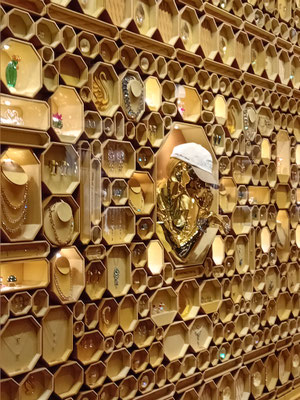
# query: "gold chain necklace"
(63, 270)
(71, 228)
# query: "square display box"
(24, 275)
(21, 184)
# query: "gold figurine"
(100, 91)
(184, 200)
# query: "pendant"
(11, 71)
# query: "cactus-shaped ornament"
(11, 71)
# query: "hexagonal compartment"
(72, 69)
(128, 313)
(57, 335)
(90, 347)
(189, 28)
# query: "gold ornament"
(100, 91)
(184, 203)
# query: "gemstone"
(185, 33)
(144, 382)
(223, 3)
(85, 46)
(139, 14)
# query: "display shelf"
(175, 333)
(26, 80)
(60, 168)
(24, 274)
(118, 279)
(128, 313)
(61, 220)
(20, 303)
(38, 383)
(89, 347)
(68, 379)
(24, 113)
(40, 303)
(66, 114)
(28, 332)
(9, 389)
(19, 24)
(118, 225)
(57, 327)
(118, 364)
(5, 310)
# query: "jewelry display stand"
(122, 269)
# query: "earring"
(64, 166)
(53, 165)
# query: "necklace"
(15, 215)
(136, 198)
(63, 270)
(16, 344)
(51, 334)
(52, 211)
(137, 90)
(249, 121)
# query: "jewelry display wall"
(100, 297)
